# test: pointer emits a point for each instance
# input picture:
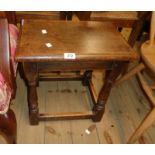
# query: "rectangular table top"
(45, 40)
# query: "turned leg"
(30, 71)
(33, 103)
(8, 126)
(86, 77)
(110, 78)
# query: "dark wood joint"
(86, 77)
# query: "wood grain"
(132, 104)
(88, 40)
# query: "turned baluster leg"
(8, 126)
(86, 77)
(31, 74)
(110, 78)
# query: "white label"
(48, 45)
(69, 56)
(44, 31)
(87, 131)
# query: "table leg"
(110, 78)
(86, 77)
(31, 74)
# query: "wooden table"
(47, 46)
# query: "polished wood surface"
(50, 15)
(96, 46)
(8, 126)
(132, 15)
(9, 15)
(88, 40)
(119, 18)
(5, 52)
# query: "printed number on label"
(69, 56)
